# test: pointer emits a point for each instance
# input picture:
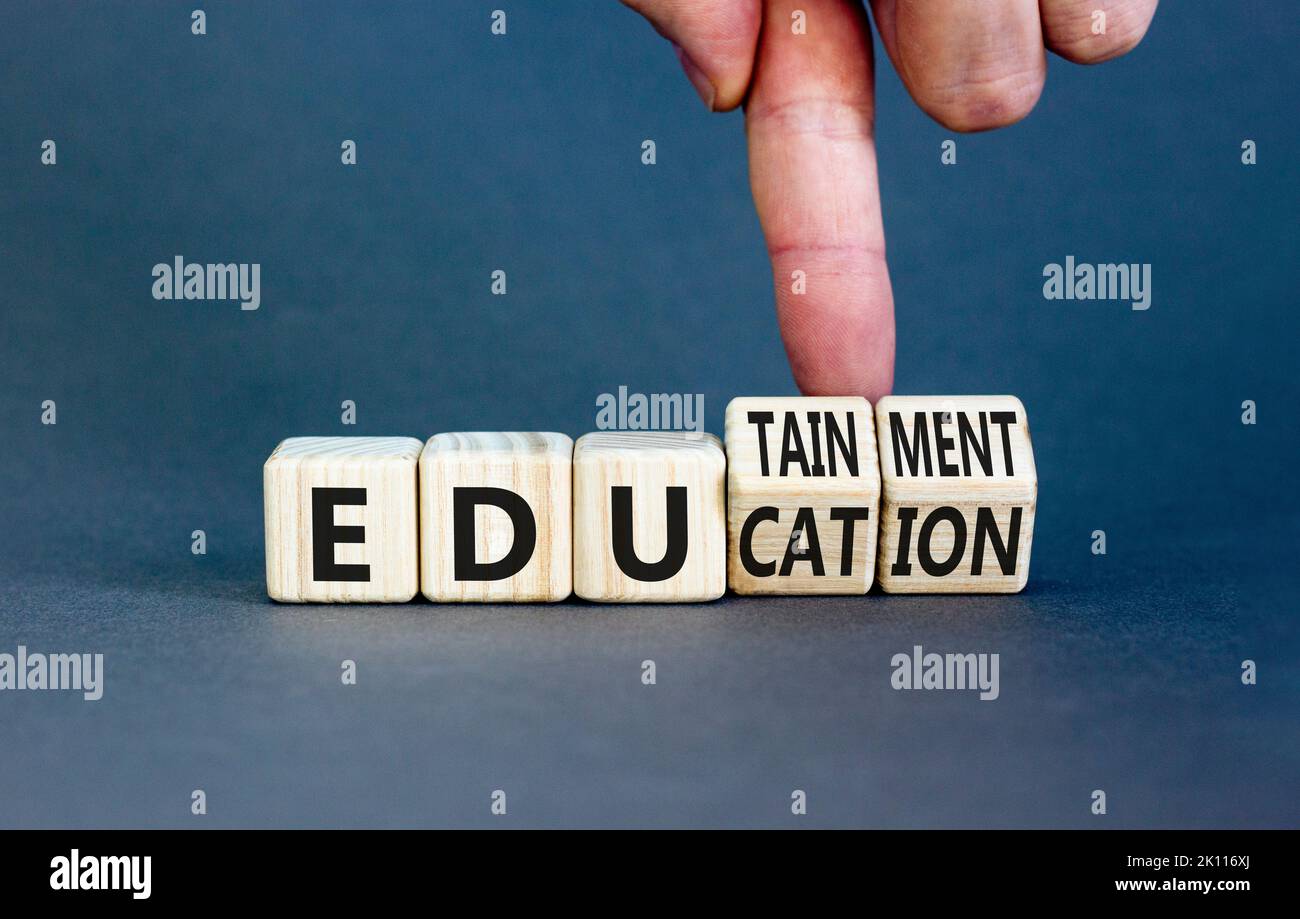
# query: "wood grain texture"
(809, 474)
(537, 467)
(650, 463)
(980, 498)
(386, 468)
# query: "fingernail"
(697, 78)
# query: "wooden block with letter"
(649, 517)
(341, 520)
(803, 494)
(959, 491)
(496, 512)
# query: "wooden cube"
(649, 517)
(959, 491)
(803, 495)
(341, 520)
(496, 517)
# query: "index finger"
(812, 165)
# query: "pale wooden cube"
(341, 520)
(803, 495)
(496, 517)
(959, 492)
(649, 517)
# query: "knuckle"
(1095, 49)
(983, 104)
(1071, 32)
(823, 116)
(853, 259)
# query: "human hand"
(809, 111)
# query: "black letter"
(902, 567)
(752, 565)
(795, 452)
(833, 436)
(625, 553)
(762, 419)
(1004, 419)
(848, 515)
(928, 564)
(967, 435)
(1006, 557)
(941, 447)
(804, 522)
(922, 448)
(814, 419)
(466, 567)
(325, 535)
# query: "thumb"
(812, 168)
(714, 41)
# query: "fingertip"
(839, 332)
(969, 66)
(987, 105)
(848, 365)
(704, 87)
(1082, 33)
(714, 42)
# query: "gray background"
(1118, 672)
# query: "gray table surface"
(1118, 672)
